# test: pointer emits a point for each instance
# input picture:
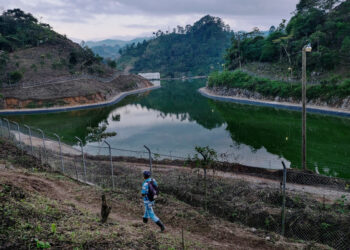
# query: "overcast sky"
(126, 19)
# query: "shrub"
(15, 76)
(112, 63)
(269, 88)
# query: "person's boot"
(145, 220)
(161, 225)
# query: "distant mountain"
(107, 52)
(189, 50)
(109, 48)
(114, 42)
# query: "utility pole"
(306, 48)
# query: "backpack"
(153, 191)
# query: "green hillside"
(190, 50)
(323, 23)
(32, 51)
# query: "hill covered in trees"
(32, 51)
(41, 68)
(190, 50)
(323, 23)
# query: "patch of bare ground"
(61, 74)
(71, 92)
(39, 207)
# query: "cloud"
(141, 26)
(128, 17)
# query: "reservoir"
(174, 119)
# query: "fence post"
(75, 168)
(284, 197)
(43, 136)
(150, 158)
(30, 138)
(110, 157)
(8, 127)
(83, 157)
(1, 127)
(59, 143)
(19, 135)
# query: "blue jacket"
(145, 187)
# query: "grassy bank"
(270, 88)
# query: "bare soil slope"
(60, 74)
(71, 92)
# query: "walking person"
(149, 193)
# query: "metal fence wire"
(300, 205)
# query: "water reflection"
(177, 135)
(176, 118)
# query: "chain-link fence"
(300, 205)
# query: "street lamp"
(291, 72)
(306, 48)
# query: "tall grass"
(270, 88)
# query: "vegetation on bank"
(270, 88)
(323, 23)
(190, 50)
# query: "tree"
(345, 49)
(282, 25)
(205, 158)
(98, 134)
(234, 53)
(188, 28)
(112, 63)
(283, 42)
(317, 37)
(15, 76)
(180, 30)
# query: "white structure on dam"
(150, 76)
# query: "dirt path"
(218, 234)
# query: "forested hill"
(323, 23)
(30, 51)
(190, 50)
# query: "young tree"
(283, 42)
(205, 159)
(98, 134)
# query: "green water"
(175, 118)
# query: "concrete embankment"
(111, 101)
(274, 104)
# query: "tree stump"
(105, 209)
